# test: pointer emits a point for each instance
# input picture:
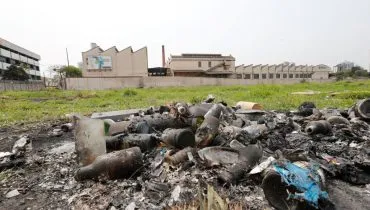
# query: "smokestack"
(93, 45)
(163, 57)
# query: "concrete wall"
(123, 82)
(124, 63)
(6, 85)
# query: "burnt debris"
(180, 153)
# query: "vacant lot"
(26, 106)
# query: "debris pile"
(214, 156)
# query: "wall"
(124, 63)
(6, 85)
(123, 82)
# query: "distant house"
(206, 65)
(97, 62)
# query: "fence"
(8, 85)
(100, 83)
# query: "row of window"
(200, 64)
(16, 55)
(277, 76)
(17, 62)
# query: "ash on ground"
(39, 162)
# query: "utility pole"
(67, 57)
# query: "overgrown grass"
(24, 106)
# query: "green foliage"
(356, 68)
(356, 71)
(361, 73)
(71, 71)
(196, 99)
(129, 92)
(15, 73)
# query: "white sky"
(254, 32)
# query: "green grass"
(24, 106)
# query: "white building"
(13, 54)
(206, 65)
(282, 71)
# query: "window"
(209, 64)
(271, 76)
(87, 61)
(247, 76)
(225, 67)
(277, 76)
(301, 76)
(2, 59)
(256, 76)
(284, 76)
(296, 75)
(290, 75)
(263, 76)
(199, 63)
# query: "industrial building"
(201, 65)
(114, 63)
(13, 54)
(217, 65)
(126, 63)
(282, 71)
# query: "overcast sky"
(254, 32)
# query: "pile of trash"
(214, 156)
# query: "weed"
(196, 99)
(129, 92)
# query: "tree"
(15, 73)
(71, 71)
(354, 72)
(361, 73)
(356, 68)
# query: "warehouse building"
(202, 65)
(13, 54)
(217, 65)
(114, 63)
(283, 71)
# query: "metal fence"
(10, 85)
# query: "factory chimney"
(93, 45)
(163, 57)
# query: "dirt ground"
(46, 181)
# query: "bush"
(129, 92)
(361, 73)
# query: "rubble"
(318, 127)
(119, 164)
(12, 193)
(202, 156)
